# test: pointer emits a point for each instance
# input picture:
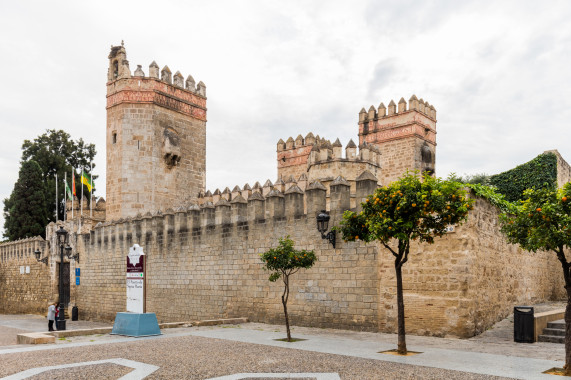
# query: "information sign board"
(136, 280)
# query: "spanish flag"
(86, 181)
(73, 182)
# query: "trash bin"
(74, 313)
(524, 328)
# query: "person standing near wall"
(51, 316)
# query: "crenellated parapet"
(160, 87)
(397, 121)
(283, 185)
(292, 155)
(74, 208)
(236, 211)
(21, 250)
(404, 132)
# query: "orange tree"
(284, 261)
(542, 221)
(411, 208)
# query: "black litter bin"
(74, 313)
(524, 328)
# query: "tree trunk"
(567, 276)
(568, 333)
(401, 348)
(285, 297)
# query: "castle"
(203, 246)
(156, 144)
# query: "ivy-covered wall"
(539, 172)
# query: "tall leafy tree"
(283, 261)
(57, 153)
(25, 211)
(411, 208)
(542, 222)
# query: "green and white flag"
(68, 190)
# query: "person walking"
(51, 316)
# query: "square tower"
(405, 136)
(156, 138)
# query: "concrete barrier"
(35, 338)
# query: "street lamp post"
(62, 237)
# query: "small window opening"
(138, 144)
(115, 70)
(114, 137)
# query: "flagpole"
(81, 212)
(64, 195)
(91, 192)
(56, 200)
(72, 190)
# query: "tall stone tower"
(156, 138)
(406, 137)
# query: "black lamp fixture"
(69, 255)
(62, 240)
(322, 226)
(38, 254)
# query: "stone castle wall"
(208, 260)
(203, 262)
(26, 285)
(563, 169)
(467, 280)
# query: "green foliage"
(478, 178)
(495, 198)
(408, 209)
(57, 153)
(285, 260)
(537, 173)
(542, 221)
(25, 210)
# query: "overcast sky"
(497, 73)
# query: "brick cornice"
(412, 129)
(150, 91)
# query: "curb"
(49, 337)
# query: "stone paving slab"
(473, 362)
(196, 357)
(11, 325)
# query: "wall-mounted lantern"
(69, 255)
(323, 225)
(38, 255)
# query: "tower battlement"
(391, 141)
(382, 124)
(156, 132)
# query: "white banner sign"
(135, 295)
(136, 280)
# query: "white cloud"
(496, 73)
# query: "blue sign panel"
(77, 280)
(78, 272)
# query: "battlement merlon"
(167, 91)
(398, 121)
(231, 215)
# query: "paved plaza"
(251, 351)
